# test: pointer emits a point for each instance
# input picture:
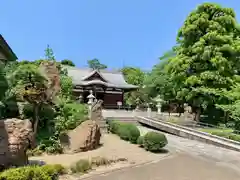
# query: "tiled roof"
(113, 78)
(7, 48)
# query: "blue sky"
(117, 32)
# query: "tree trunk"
(197, 114)
(179, 110)
(226, 117)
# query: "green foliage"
(70, 115)
(46, 172)
(136, 77)
(49, 55)
(225, 133)
(67, 62)
(154, 141)
(205, 65)
(202, 70)
(66, 86)
(81, 166)
(114, 126)
(126, 131)
(96, 65)
(129, 132)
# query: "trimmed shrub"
(46, 172)
(125, 131)
(140, 141)
(154, 141)
(81, 166)
(114, 126)
(128, 132)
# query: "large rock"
(16, 136)
(85, 137)
(50, 70)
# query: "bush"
(140, 141)
(154, 141)
(81, 166)
(46, 172)
(234, 137)
(113, 126)
(128, 132)
(237, 127)
(66, 116)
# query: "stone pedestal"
(149, 112)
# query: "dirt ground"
(186, 160)
(112, 148)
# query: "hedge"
(126, 131)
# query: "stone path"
(217, 154)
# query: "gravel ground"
(112, 148)
(186, 160)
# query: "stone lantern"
(149, 110)
(80, 99)
(159, 102)
(90, 98)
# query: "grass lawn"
(225, 133)
(214, 130)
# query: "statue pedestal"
(149, 112)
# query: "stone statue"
(187, 112)
(96, 111)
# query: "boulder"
(50, 70)
(85, 137)
(16, 136)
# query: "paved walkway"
(217, 154)
(191, 160)
(180, 167)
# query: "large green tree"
(95, 64)
(206, 65)
(30, 85)
(136, 77)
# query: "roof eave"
(7, 49)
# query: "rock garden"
(47, 135)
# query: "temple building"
(6, 53)
(106, 85)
